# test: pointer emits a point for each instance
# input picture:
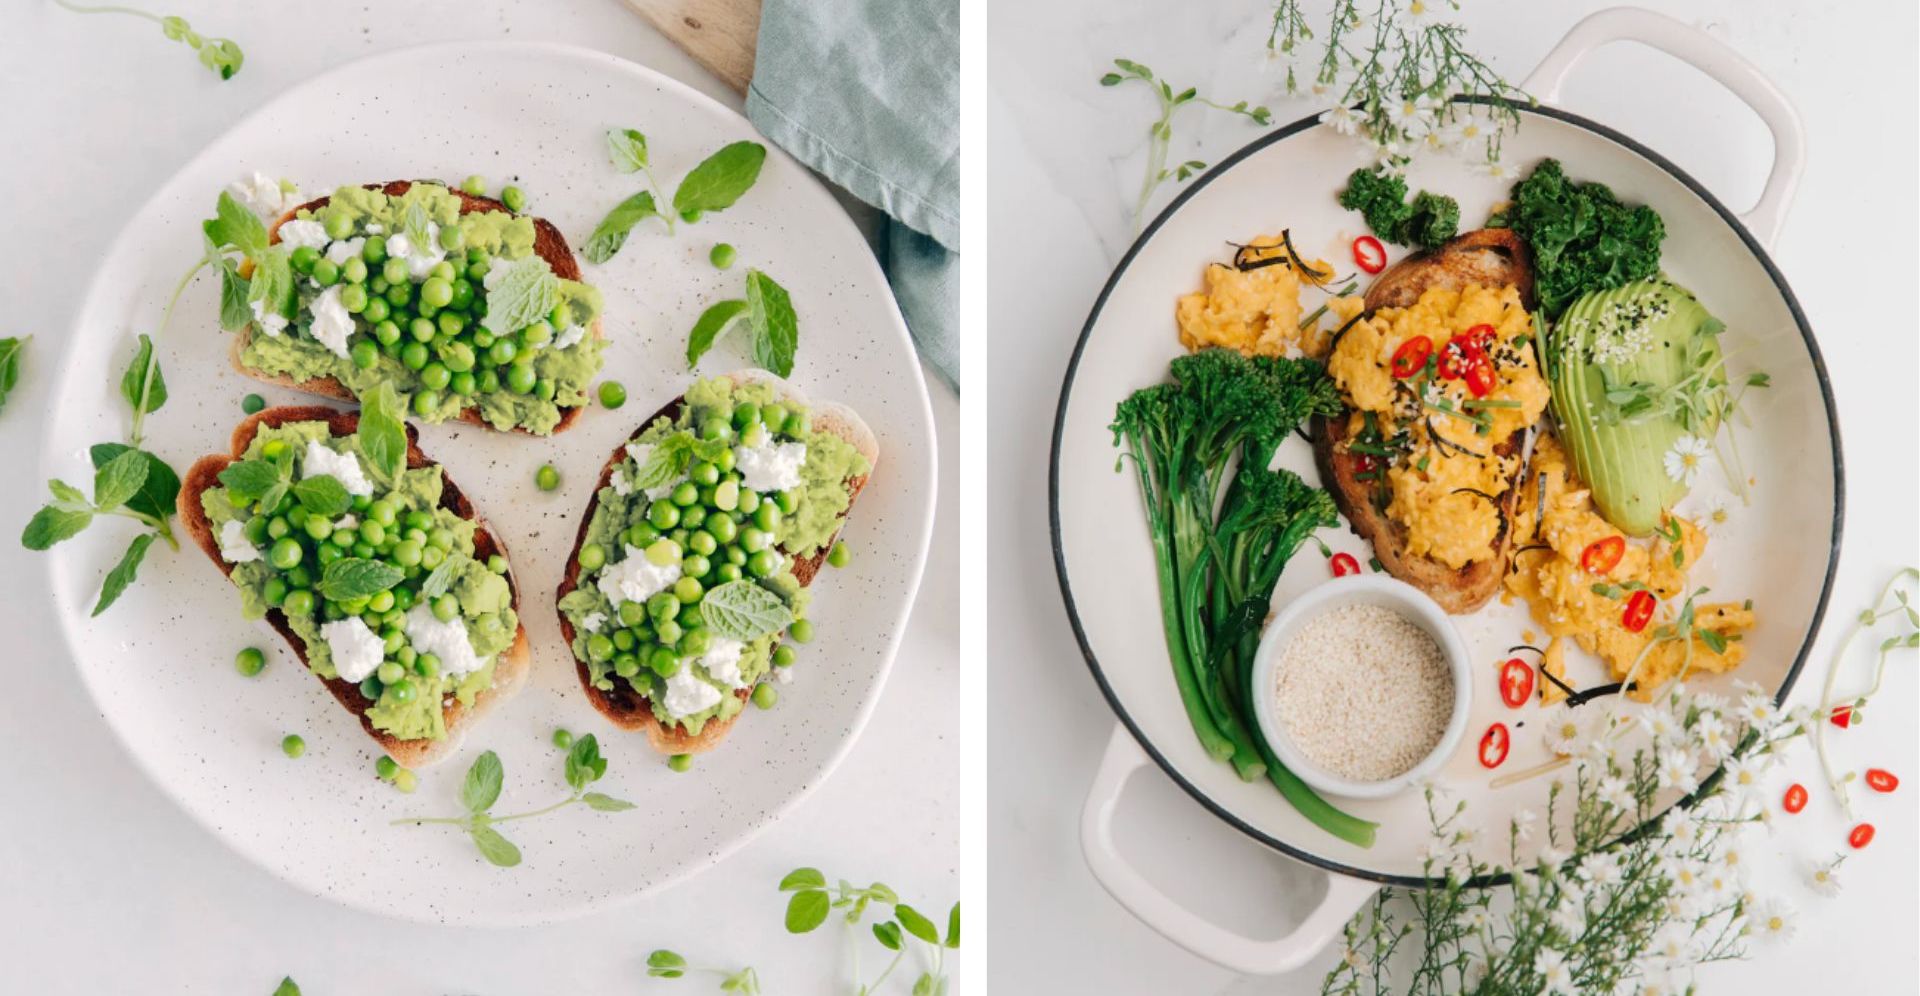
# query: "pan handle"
(1182, 926)
(1705, 53)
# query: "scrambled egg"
(1562, 595)
(1444, 480)
(1257, 311)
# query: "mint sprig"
(713, 185)
(11, 351)
(482, 786)
(768, 312)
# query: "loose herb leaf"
(601, 802)
(496, 849)
(888, 934)
(441, 579)
(382, 435)
(287, 987)
(122, 574)
(68, 496)
(416, 226)
(612, 232)
(953, 927)
(916, 924)
(272, 284)
(482, 786)
(235, 226)
(720, 179)
(743, 610)
(584, 763)
(806, 910)
(358, 577)
(324, 495)
(143, 385)
(664, 964)
(803, 878)
(714, 323)
(520, 293)
(628, 148)
(248, 480)
(119, 480)
(776, 330)
(10, 352)
(52, 524)
(158, 493)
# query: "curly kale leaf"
(1381, 198)
(1583, 237)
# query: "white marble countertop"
(108, 886)
(1066, 157)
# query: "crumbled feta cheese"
(722, 661)
(374, 228)
(235, 548)
(445, 640)
(593, 621)
(265, 196)
(571, 335)
(300, 232)
(345, 250)
(770, 466)
(619, 482)
(783, 675)
(635, 578)
(420, 259)
(346, 522)
(687, 694)
(270, 322)
(321, 461)
(641, 452)
(357, 651)
(332, 322)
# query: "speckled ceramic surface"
(159, 664)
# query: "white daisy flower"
(1600, 869)
(1679, 828)
(1674, 945)
(1427, 13)
(1758, 711)
(1744, 776)
(1359, 23)
(1554, 974)
(1523, 823)
(1413, 116)
(1825, 879)
(1684, 873)
(1615, 792)
(1734, 860)
(1496, 169)
(1341, 119)
(1390, 156)
(1551, 858)
(1711, 731)
(1718, 513)
(1772, 923)
(1570, 914)
(1560, 730)
(1677, 770)
(1684, 460)
(1479, 920)
(1661, 726)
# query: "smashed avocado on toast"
(469, 310)
(387, 585)
(1441, 387)
(693, 559)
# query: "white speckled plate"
(160, 663)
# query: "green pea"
(318, 527)
(623, 639)
(765, 696)
(250, 661)
(721, 256)
(716, 430)
(703, 543)
(453, 238)
(354, 272)
(337, 224)
(252, 403)
(514, 198)
(285, 553)
(749, 500)
(374, 250)
(538, 334)
(722, 529)
(330, 553)
(764, 564)
(273, 448)
(728, 572)
(642, 534)
(292, 745)
(592, 555)
(402, 690)
(451, 324)
(497, 564)
(395, 270)
(406, 781)
(663, 662)
(435, 376)
(436, 292)
(474, 185)
(299, 603)
(407, 656)
(613, 394)
(274, 591)
(326, 272)
(695, 566)
(783, 656)
(446, 607)
(521, 379)
(547, 479)
(663, 552)
(462, 294)
(773, 415)
(441, 538)
(502, 352)
(691, 216)
(408, 553)
(303, 259)
(625, 665)
(668, 631)
(663, 515)
(365, 354)
(390, 672)
(387, 332)
(696, 642)
(688, 590)
(788, 501)
(767, 516)
(489, 382)
(386, 768)
(797, 424)
(746, 414)
(298, 515)
(544, 388)
(599, 647)
(663, 605)
(801, 631)
(735, 556)
(753, 539)
(413, 356)
(426, 403)
(562, 739)
(839, 556)
(680, 762)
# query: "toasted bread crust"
(548, 244)
(623, 706)
(510, 671)
(1488, 257)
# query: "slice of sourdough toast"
(625, 707)
(548, 244)
(1489, 257)
(510, 671)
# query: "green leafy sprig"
(714, 185)
(1160, 132)
(287, 987)
(813, 901)
(11, 351)
(664, 964)
(1894, 602)
(768, 313)
(481, 789)
(218, 54)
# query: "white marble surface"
(1066, 157)
(108, 886)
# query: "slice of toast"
(628, 709)
(1488, 257)
(509, 672)
(548, 244)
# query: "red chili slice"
(1479, 337)
(1365, 463)
(1493, 745)
(1411, 356)
(1601, 556)
(1881, 780)
(1369, 254)
(1860, 836)
(1516, 682)
(1343, 564)
(1843, 716)
(1639, 611)
(1479, 375)
(1796, 799)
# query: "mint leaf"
(415, 225)
(119, 480)
(287, 987)
(382, 434)
(953, 927)
(584, 763)
(803, 878)
(158, 494)
(604, 803)
(323, 495)
(807, 910)
(612, 232)
(628, 149)
(52, 524)
(357, 577)
(742, 610)
(776, 330)
(235, 226)
(668, 460)
(234, 292)
(440, 580)
(713, 323)
(482, 786)
(142, 385)
(249, 480)
(69, 497)
(917, 925)
(10, 353)
(719, 180)
(272, 283)
(520, 293)
(122, 574)
(664, 964)
(496, 849)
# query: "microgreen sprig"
(664, 964)
(813, 901)
(218, 54)
(481, 790)
(1160, 133)
(1895, 601)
